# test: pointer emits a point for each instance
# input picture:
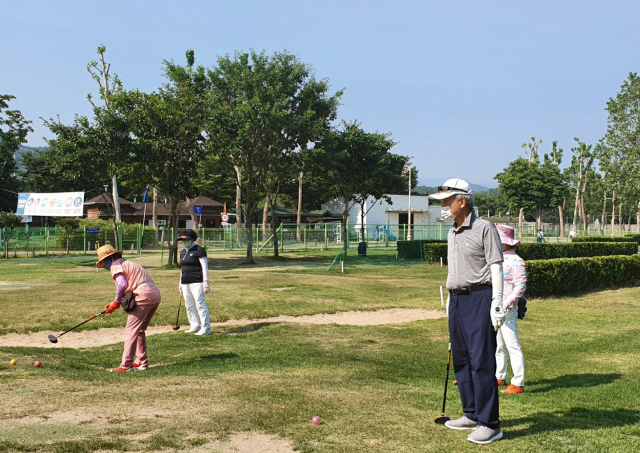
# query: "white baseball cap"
(453, 186)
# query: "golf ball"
(316, 420)
(13, 361)
(37, 364)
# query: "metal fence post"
(347, 233)
(46, 241)
(304, 233)
(84, 235)
(282, 238)
(386, 234)
(325, 236)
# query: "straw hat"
(105, 252)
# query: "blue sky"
(460, 84)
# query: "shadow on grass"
(222, 356)
(573, 380)
(574, 418)
(247, 329)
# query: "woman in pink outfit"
(129, 276)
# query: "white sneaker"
(204, 331)
(484, 435)
(461, 423)
(193, 329)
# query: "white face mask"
(445, 212)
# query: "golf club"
(177, 326)
(443, 418)
(54, 338)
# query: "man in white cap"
(474, 308)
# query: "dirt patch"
(106, 336)
(80, 269)
(22, 285)
(288, 288)
(247, 442)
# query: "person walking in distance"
(194, 276)
(129, 276)
(474, 308)
(515, 284)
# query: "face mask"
(187, 244)
(107, 265)
(445, 212)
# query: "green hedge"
(433, 253)
(545, 251)
(631, 238)
(561, 277)
(411, 249)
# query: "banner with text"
(61, 204)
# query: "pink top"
(135, 276)
(515, 278)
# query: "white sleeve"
(497, 282)
(205, 269)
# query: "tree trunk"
(620, 219)
(362, 212)
(638, 219)
(154, 210)
(68, 240)
(299, 216)
(561, 215)
(613, 214)
(583, 214)
(194, 221)
(575, 209)
(274, 226)
(345, 216)
(265, 217)
(249, 216)
(520, 220)
(604, 211)
(238, 202)
(116, 198)
(174, 217)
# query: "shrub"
(412, 249)
(631, 238)
(433, 252)
(560, 277)
(544, 251)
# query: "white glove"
(180, 289)
(205, 287)
(497, 313)
(447, 306)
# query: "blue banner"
(93, 230)
(146, 192)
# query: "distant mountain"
(427, 190)
(26, 149)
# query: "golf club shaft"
(83, 322)
(446, 380)
(179, 306)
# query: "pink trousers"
(135, 340)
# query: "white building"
(426, 222)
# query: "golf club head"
(176, 327)
(442, 419)
(53, 339)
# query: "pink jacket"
(515, 278)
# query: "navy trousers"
(473, 346)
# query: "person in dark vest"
(474, 308)
(194, 276)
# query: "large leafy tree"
(359, 165)
(551, 168)
(620, 157)
(579, 174)
(13, 133)
(264, 109)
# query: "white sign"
(225, 217)
(61, 204)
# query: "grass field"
(377, 388)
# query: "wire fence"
(46, 241)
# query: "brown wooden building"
(101, 207)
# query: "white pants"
(508, 341)
(194, 302)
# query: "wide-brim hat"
(105, 252)
(507, 235)
(453, 186)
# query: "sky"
(461, 85)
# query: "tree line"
(253, 129)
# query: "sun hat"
(187, 234)
(507, 235)
(105, 252)
(453, 186)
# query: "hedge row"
(545, 251)
(573, 275)
(628, 238)
(412, 249)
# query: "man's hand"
(497, 313)
(110, 308)
(205, 287)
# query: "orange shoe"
(120, 369)
(501, 382)
(513, 389)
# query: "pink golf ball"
(316, 420)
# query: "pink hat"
(507, 235)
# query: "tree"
(358, 166)
(560, 190)
(578, 177)
(621, 144)
(168, 126)
(8, 222)
(265, 108)
(13, 133)
(69, 225)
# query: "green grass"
(377, 388)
